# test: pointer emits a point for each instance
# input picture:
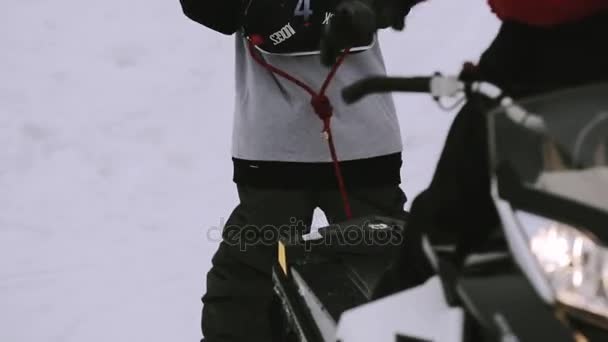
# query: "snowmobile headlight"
(576, 267)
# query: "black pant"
(238, 305)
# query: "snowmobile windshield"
(558, 146)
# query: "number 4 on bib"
(303, 9)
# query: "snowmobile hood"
(557, 167)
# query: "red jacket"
(546, 12)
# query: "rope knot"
(322, 106)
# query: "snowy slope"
(115, 174)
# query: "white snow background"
(115, 124)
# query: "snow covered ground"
(115, 174)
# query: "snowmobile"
(544, 275)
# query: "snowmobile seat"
(323, 274)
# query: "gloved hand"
(392, 13)
(358, 20)
(353, 20)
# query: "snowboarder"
(541, 46)
(283, 167)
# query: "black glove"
(392, 13)
(353, 20)
(358, 20)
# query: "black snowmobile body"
(336, 270)
(505, 290)
(317, 283)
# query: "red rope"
(338, 172)
(322, 106)
(279, 72)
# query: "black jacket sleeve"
(223, 16)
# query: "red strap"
(322, 107)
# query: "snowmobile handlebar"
(366, 86)
(440, 86)
(437, 86)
